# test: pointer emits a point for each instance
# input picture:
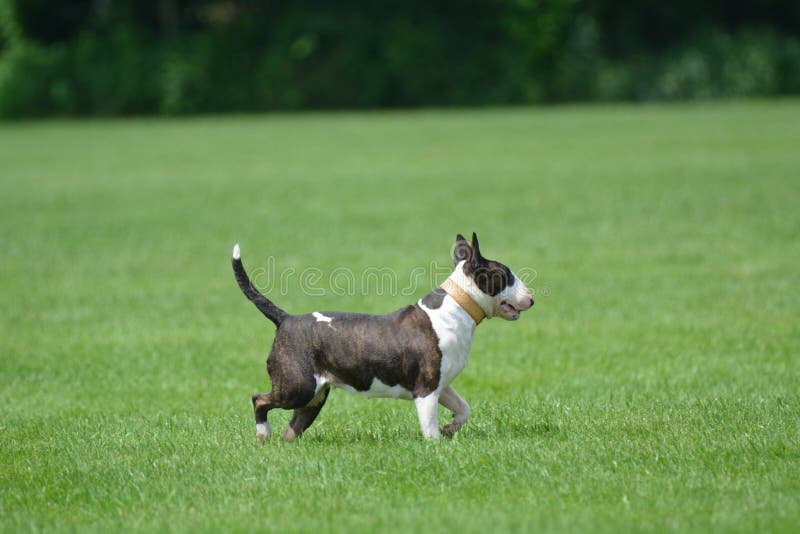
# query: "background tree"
(112, 57)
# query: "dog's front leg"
(453, 401)
(428, 415)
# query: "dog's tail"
(265, 306)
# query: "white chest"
(454, 328)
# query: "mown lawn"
(654, 386)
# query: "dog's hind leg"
(286, 394)
(262, 403)
(303, 417)
(293, 384)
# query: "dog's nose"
(531, 306)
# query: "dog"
(413, 353)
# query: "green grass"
(654, 386)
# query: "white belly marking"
(376, 389)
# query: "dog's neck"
(464, 300)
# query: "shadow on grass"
(401, 434)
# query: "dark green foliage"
(187, 56)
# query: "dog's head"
(490, 283)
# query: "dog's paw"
(450, 429)
(262, 432)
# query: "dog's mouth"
(508, 311)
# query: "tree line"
(119, 57)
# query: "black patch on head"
(490, 276)
(434, 299)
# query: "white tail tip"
(236, 253)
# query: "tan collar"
(464, 300)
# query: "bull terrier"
(414, 353)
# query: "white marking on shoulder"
(321, 318)
(236, 253)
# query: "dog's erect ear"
(476, 259)
(461, 250)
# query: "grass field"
(654, 386)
